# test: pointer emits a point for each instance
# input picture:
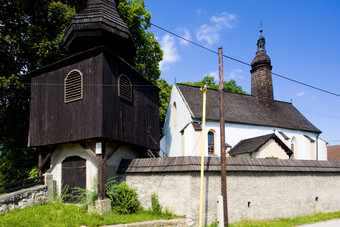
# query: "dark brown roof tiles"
(245, 109)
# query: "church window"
(174, 114)
(73, 87)
(125, 88)
(211, 145)
(293, 147)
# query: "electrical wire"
(231, 58)
(244, 63)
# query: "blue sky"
(302, 40)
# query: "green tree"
(164, 97)
(210, 82)
(149, 52)
(31, 34)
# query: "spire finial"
(261, 40)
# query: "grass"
(59, 214)
(288, 221)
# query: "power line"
(244, 63)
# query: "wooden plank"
(88, 151)
(101, 173)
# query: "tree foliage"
(149, 52)
(164, 97)
(210, 82)
(31, 34)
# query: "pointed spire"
(261, 41)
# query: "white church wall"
(322, 149)
(170, 143)
(236, 132)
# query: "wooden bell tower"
(94, 97)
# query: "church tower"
(261, 77)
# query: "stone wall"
(256, 189)
(27, 197)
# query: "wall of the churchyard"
(27, 197)
(251, 195)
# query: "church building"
(256, 125)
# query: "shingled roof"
(254, 144)
(99, 24)
(245, 109)
(213, 164)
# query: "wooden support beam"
(42, 162)
(101, 173)
(108, 156)
(88, 151)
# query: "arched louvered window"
(125, 88)
(73, 86)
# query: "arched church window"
(174, 113)
(73, 86)
(293, 147)
(125, 88)
(211, 144)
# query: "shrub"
(156, 208)
(124, 199)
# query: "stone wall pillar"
(49, 184)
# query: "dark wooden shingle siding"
(101, 113)
(124, 120)
(51, 120)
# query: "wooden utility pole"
(222, 130)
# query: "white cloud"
(213, 74)
(200, 11)
(235, 73)
(208, 34)
(186, 36)
(211, 32)
(170, 52)
(225, 20)
(302, 93)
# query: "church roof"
(254, 144)
(245, 109)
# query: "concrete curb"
(156, 223)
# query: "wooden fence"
(27, 183)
